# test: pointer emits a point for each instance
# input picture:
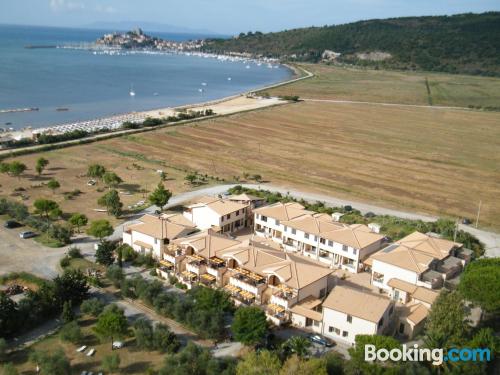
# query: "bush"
(92, 307)
(74, 252)
(115, 274)
(145, 260)
(128, 253)
(71, 332)
(64, 262)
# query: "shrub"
(64, 262)
(74, 252)
(128, 253)
(115, 274)
(92, 307)
(71, 332)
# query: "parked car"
(321, 340)
(27, 234)
(12, 224)
(466, 221)
(118, 344)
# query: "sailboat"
(132, 92)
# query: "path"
(384, 104)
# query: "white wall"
(392, 272)
(332, 318)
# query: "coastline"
(113, 123)
(239, 103)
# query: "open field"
(331, 82)
(132, 359)
(419, 159)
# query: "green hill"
(465, 43)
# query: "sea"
(90, 85)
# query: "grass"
(83, 265)
(22, 278)
(46, 240)
(332, 82)
(133, 360)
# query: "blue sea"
(93, 86)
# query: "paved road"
(490, 239)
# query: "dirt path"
(383, 104)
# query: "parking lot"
(18, 254)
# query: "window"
(330, 243)
(391, 310)
(263, 218)
(330, 329)
(349, 318)
(354, 251)
(285, 228)
(322, 240)
(294, 231)
(345, 248)
(276, 221)
(315, 323)
(381, 322)
(345, 333)
(334, 330)
(156, 241)
(228, 216)
(322, 293)
(306, 235)
(315, 238)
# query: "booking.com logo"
(436, 356)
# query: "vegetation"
(480, 283)
(96, 171)
(105, 254)
(53, 184)
(71, 332)
(78, 220)
(41, 164)
(100, 229)
(464, 43)
(111, 324)
(51, 363)
(249, 325)
(158, 337)
(92, 307)
(160, 196)
(111, 179)
(111, 200)
(111, 363)
(264, 362)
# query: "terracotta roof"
(416, 313)
(353, 302)
(220, 206)
(402, 285)
(437, 247)
(208, 243)
(305, 308)
(283, 211)
(170, 226)
(143, 244)
(404, 257)
(293, 271)
(313, 224)
(356, 236)
(425, 295)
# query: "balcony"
(378, 278)
(284, 296)
(240, 295)
(431, 279)
(276, 314)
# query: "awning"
(166, 264)
(188, 274)
(232, 289)
(216, 260)
(143, 244)
(276, 308)
(247, 295)
(285, 288)
(195, 257)
(208, 277)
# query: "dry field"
(426, 160)
(332, 82)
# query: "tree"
(115, 274)
(160, 196)
(67, 314)
(53, 185)
(163, 176)
(111, 179)
(112, 323)
(446, 324)
(100, 229)
(105, 253)
(71, 332)
(357, 364)
(47, 208)
(53, 364)
(4, 167)
(111, 200)
(191, 178)
(3, 349)
(249, 325)
(8, 312)
(72, 287)
(480, 283)
(298, 345)
(264, 362)
(78, 220)
(17, 168)
(40, 165)
(111, 363)
(96, 171)
(257, 178)
(92, 307)
(164, 340)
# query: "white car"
(118, 344)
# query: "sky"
(227, 16)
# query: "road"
(491, 240)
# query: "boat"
(229, 78)
(200, 90)
(132, 92)
(203, 83)
(248, 66)
(62, 109)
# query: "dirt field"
(395, 87)
(426, 160)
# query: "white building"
(349, 312)
(152, 233)
(221, 215)
(418, 259)
(317, 235)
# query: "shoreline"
(113, 123)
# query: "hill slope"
(465, 43)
